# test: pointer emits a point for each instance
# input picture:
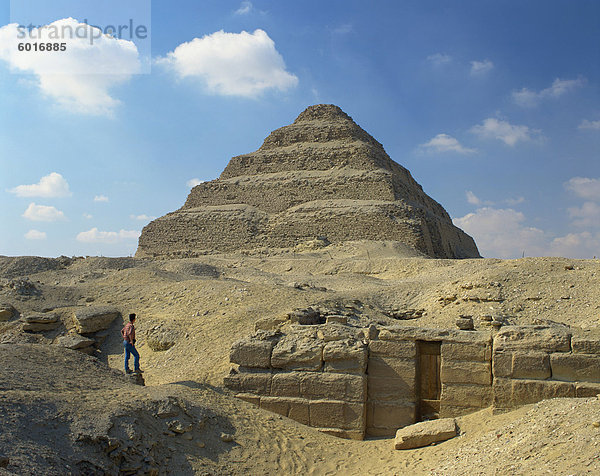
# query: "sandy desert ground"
(60, 409)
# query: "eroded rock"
(94, 318)
(40, 322)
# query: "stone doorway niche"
(429, 385)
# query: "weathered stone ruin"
(355, 382)
(320, 177)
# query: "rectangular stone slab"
(466, 351)
(94, 318)
(511, 393)
(251, 353)
(476, 396)
(575, 367)
(540, 338)
(466, 372)
(425, 433)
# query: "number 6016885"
(42, 47)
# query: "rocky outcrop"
(92, 319)
(320, 177)
(40, 322)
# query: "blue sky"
(494, 107)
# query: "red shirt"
(128, 333)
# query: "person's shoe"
(127, 371)
(138, 371)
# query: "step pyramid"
(321, 177)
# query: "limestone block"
(526, 365)
(531, 365)
(510, 393)
(336, 414)
(292, 353)
(396, 349)
(540, 338)
(466, 351)
(40, 322)
(347, 387)
(585, 345)
(275, 405)
(74, 342)
(258, 383)
(397, 333)
(248, 397)
(251, 353)
(286, 384)
(345, 357)
(403, 333)
(386, 389)
(502, 364)
(584, 390)
(326, 414)
(391, 367)
(452, 411)
(466, 372)
(425, 433)
(384, 418)
(300, 411)
(334, 331)
(575, 367)
(476, 396)
(94, 318)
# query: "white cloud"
(439, 59)
(35, 235)
(245, 8)
(79, 78)
(193, 182)
(584, 187)
(500, 233)
(232, 64)
(576, 245)
(446, 143)
(43, 213)
(479, 68)
(100, 198)
(529, 98)
(510, 134)
(53, 185)
(88, 216)
(585, 124)
(588, 215)
(142, 217)
(108, 237)
(472, 198)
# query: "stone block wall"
(533, 363)
(354, 382)
(311, 379)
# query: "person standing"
(128, 333)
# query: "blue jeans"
(130, 349)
